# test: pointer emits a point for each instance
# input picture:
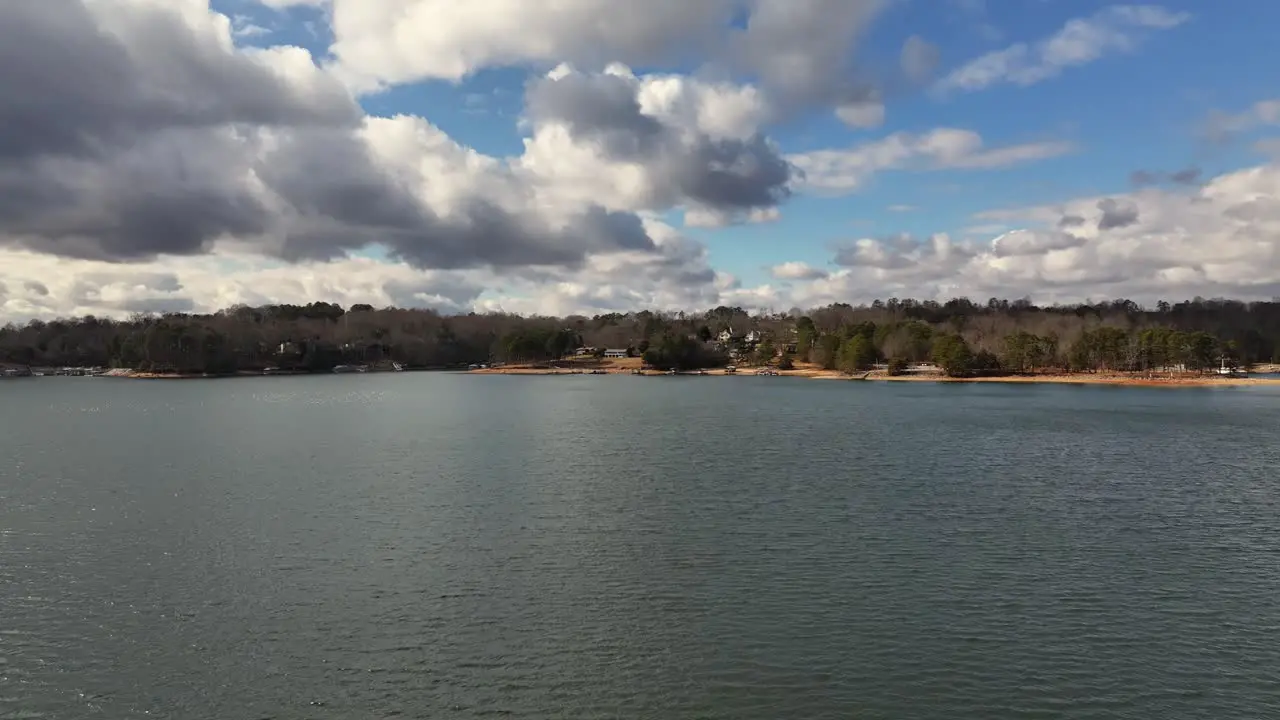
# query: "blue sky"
(695, 153)
(1138, 109)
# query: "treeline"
(862, 346)
(963, 336)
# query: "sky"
(595, 156)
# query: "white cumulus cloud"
(149, 161)
(1221, 239)
(848, 169)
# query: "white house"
(754, 336)
(725, 335)
(615, 353)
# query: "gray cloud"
(343, 202)
(1221, 127)
(1143, 177)
(893, 252)
(451, 295)
(174, 192)
(675, 276)
(719, 174)
(1115, 215)
(603, 108)
(802, 51)
(1186, 176)
(158, 305)
(155, 139)
(36, 288)
(1020, 243)
(72, 89)
(919, 59)
(790, 271)
(90, 283)
(120, 149)
(156, 295)
(733, 174)
(681, 265)
(1256, 210)
(1068, 221)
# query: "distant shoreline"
(632, 366)
(123, 374)
(1082, 379)
(814, 373)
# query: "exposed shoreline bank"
(631, 367)
(144, 375)
(1115, 379)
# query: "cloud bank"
(151, 162)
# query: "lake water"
(439, 546)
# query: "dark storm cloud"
(719, 174)
(1115, 215)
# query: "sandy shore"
(144, 375)
(630, 365)
(1123, 379)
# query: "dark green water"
(438, 546)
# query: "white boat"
(1226, 371)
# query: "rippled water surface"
(441, 546)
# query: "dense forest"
(963, 337)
